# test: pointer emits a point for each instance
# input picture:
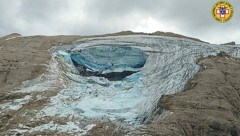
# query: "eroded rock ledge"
(210, 105)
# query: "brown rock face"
(24, 58)
(230, 43)
(11, 36)
(210, 105)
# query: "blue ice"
(103, 58)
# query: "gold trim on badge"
(222, 11)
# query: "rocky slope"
(208, 106)
(30, 82)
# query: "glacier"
(157, 65)
(111, 62)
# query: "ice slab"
(111, 62)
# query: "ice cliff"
(111, 62)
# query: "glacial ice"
(111, 62)
(110, 57)
(170, 63)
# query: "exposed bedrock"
(111, 62)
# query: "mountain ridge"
(24, 59)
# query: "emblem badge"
(222, 11)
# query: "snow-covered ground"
(171, 62)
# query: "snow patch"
(15, 105)
(70, 128)
(12, 38)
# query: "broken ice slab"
(111, 62)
